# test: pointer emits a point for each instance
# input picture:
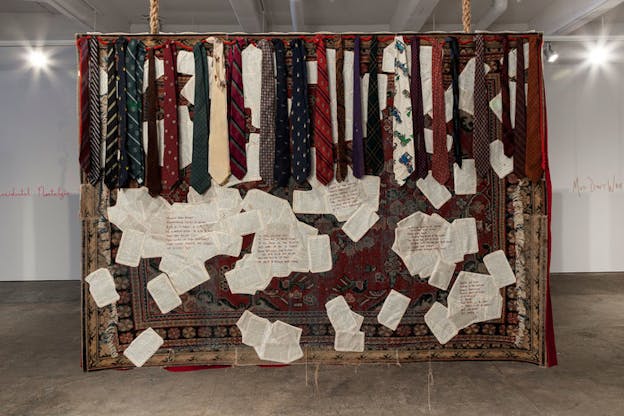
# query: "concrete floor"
(40, 372)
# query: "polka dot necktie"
(170, 174)
(299, 116)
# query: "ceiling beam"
(86, 15)
(250, 15)
(411, 15)
(564, 16)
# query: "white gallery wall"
(40, 229)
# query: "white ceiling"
(60, 19)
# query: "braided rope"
(466, 15)
(154, 23)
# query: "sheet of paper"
(371, 188)
(271, 207)
(245, 279)
(171, 263)
(143, 347)
(340, 315)
(473, 294)
(499, 268)
(310, 202)
(501, 164)
(283, 333)
(343, 198)
(189, 277)
(253, 328)
(436, 193)
(360, 222)
(359, 320)
(465, 178)
(102, 287)
(349, 341)
(393, 309)
(442, 274)
(280, 353)
(319, 253)
(244, 223)
(465, 231)
(163, 293)
(188, 226)
(130, 248)
(154, 246)
(439, 324)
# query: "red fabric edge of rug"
(185, 368)
(551, 349)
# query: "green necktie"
(135, 58)
(200, 178)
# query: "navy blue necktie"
(281, 171)
(299, 115)
(454, 49)
(200, 178)
(124, 175)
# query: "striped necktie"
(454, 49)
(200, 178)
(135, 57)
(267, 113)
(83, 85)
(418, 117)
(520, 116)
(373, 145)
(341, 148)
(95, 128)
(152, 166)
(281, 170)
(124, 176)
(508, 134)
(357, 154)
(111, 164)
(439, 159)
(299, 115)
(323, 142)
(481, 129)
(533, 153)
(170, 174)
(237, 128)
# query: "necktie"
(520, 118)
(267, 113)
(281, 167)
(299, 115)
(218, 142)
(357, 155)
(83, 83)
(341, 148)
(418, 117)
(95, 132)
(323, 142)
(439, 159)
(124, 176)
(111, 164)
(480, 134)
(508, 134)
(533, 137)
(402, 127)
(238, 152)
(373, 145)
(454, 49)
(170, 174)
(200, 178)
(152, 171)
(134, 102)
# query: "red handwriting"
(40, 191)
(589, 184)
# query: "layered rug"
(511, 214)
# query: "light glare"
(38, 59)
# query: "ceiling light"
(37, 59)
(598, 55)
(550, 54)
